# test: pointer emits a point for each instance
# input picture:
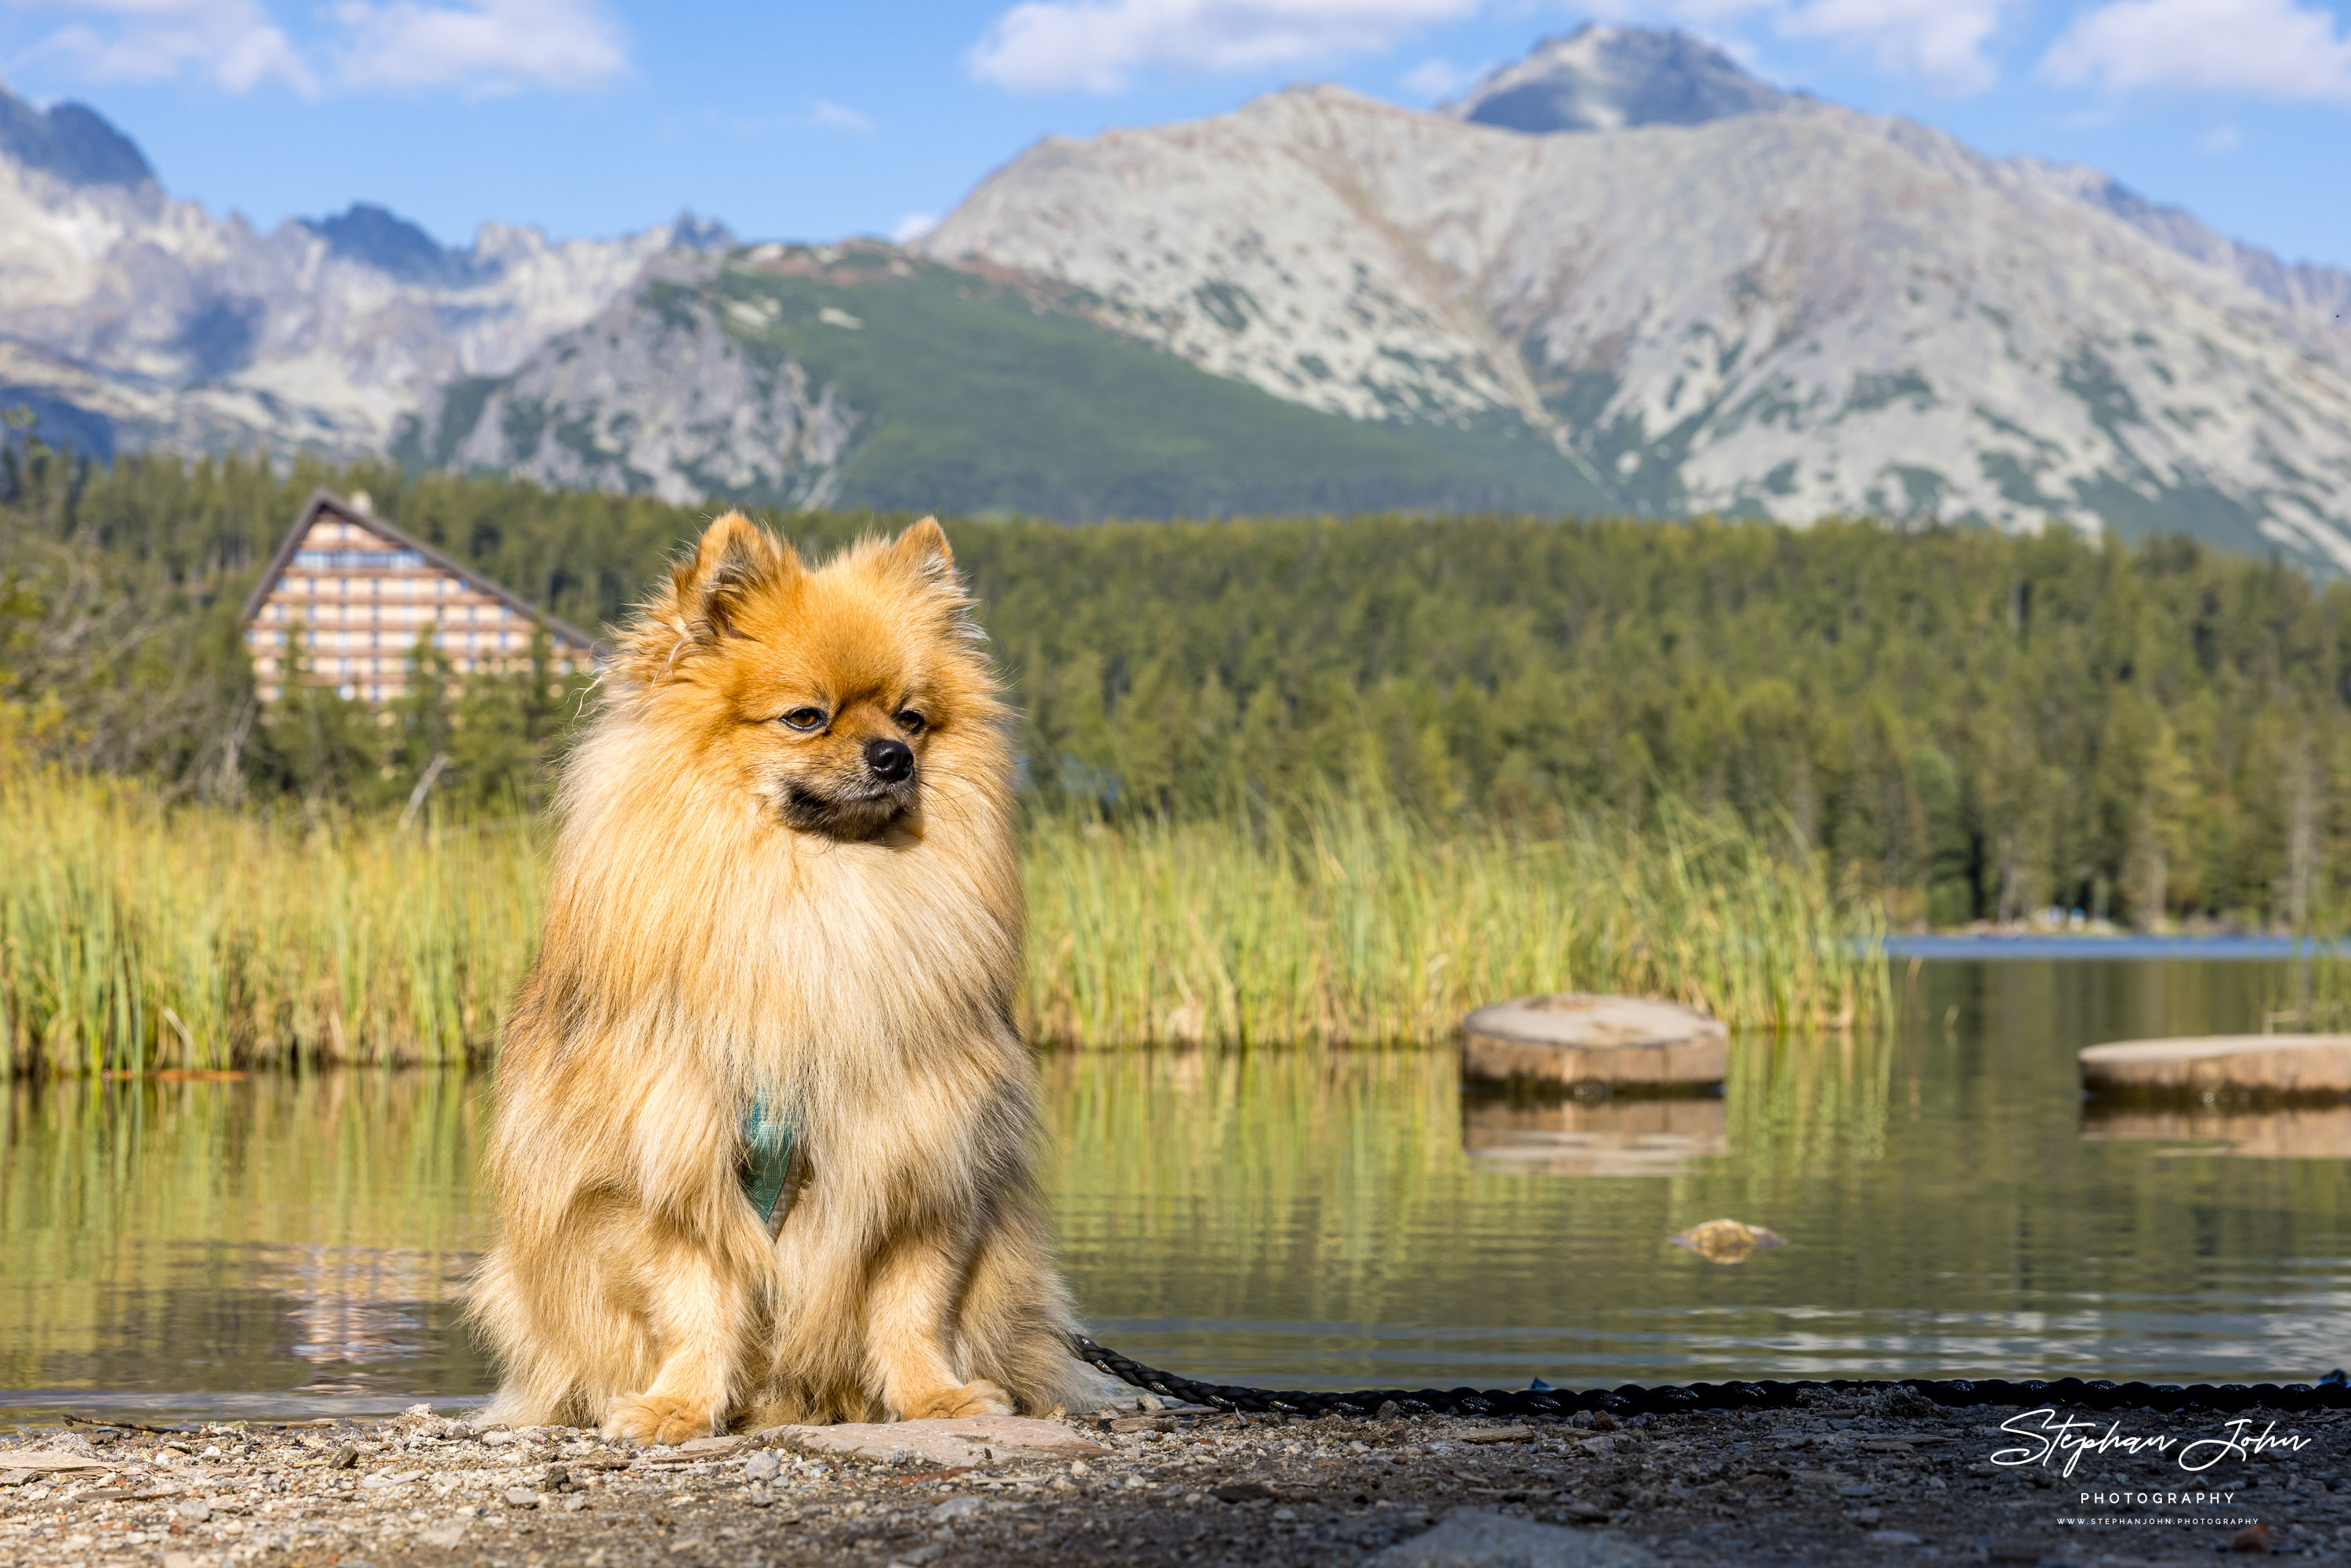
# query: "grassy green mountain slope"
(876, 379)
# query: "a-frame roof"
(323, 501)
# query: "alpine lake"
(273, 1246)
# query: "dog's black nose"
(891, 761)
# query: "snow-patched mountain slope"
(160, 325)
(1797, 312)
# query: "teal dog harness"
(774, 1162)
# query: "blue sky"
(806, 122)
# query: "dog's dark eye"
(805, 718)
(910, 721)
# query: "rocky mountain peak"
(71, 142)
(378, 237)
(1602, 77)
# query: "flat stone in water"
(1473, 1537)
(2244, 1063)
(1581, 1038)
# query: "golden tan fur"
(741, 904)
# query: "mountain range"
(1620, 274)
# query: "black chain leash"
(2332, 1392)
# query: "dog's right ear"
(702, 602)
(734, 559)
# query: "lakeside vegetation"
(138, 934)
(1969, 726)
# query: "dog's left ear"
(922, 550)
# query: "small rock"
(1583, 1512)
(956, 1508)
(343, 1459)
(556, 1479)
(1080, 1467)
(1727, 1240)
(758, 1496)
(418, 1421)
(32, 1460)
(521, 1497)
(762, 1466)
(2253, 1538)
(501, 1436)
(1474, 1539)
(1242, 1491)
(1893, 1538)
(444, 1535)
(1152, 1402)
(966, 1439)
(194, 1511)
(710, 1447)
(1496, 1435)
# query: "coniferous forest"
(1972, 726)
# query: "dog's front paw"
(659, 1419)
(977, 1397)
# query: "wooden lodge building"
(361, 594)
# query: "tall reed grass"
(136, 936)
(1368, 927)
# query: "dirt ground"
(1835, 1481)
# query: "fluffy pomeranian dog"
(785, 884)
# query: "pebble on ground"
(1837, 1480)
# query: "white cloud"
(1940, 41)
(1436, 79)
(474, 45)
(2271, 49)
(1097, 46)
(830, 116)
(2221, 139)
(233, 42)
(480, 47)
(912, 227)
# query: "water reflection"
(1331, 1220)
(1623, 1135)
(1309, 1218)
(2284, 1132)
(275, 1244)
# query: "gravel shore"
(1837, 1480)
